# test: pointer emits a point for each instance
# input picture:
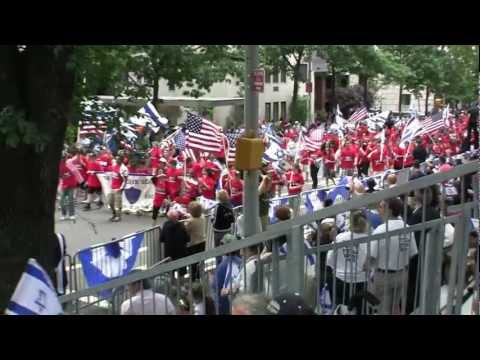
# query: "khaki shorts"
(115, 200)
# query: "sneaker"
(63, 218)
(116, 219)
(73, 217)
(84, 201)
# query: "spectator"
(371, 184)
(174, 236)
(289, 304)
(195, 226)
(391, 181)
(390, 277)
(225, 272)
(264, 194)
(202, 306)
(250, 304)
(444, 166)
(347, 263)
(246, 280)
(143, 301)
(223, 218)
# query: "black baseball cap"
(289, 304)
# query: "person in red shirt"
(197, 167)
(328, 155)
(361, 159)
(398, 156)
(438, 148)
(236, 189)
(160, 182)
(207, 184)
(277, 181)
(119, 174)
(189, 190)
(409, 160)
(93, 183)
(173, 180)
(295, 184)
(155, 155)
(105, 158)
(378, 160)
(212, 164)
(70, 178)
(347, 157)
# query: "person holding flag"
(378, 158)
(160, 182)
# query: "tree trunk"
(296, 75)
(155, 91)
(334, 90)
(37, 82)
(363, 80)
(400, 99)
(427, 95)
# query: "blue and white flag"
(314, 200)
(325, 301)
(283, 250)
(150, 111)
(110, 261)
(274, 204)
(412, 129)
(274, 151)
(340, 191)
(34, 294)
(374, 219)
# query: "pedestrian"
(144, 301)
(390, 278)
(160, 198)
(119, 175)
(295, 186)
(195, 226)
(348, 262)
(175, 237)
(70, 178)
(223, 217)
(93, 183)
(328, 155)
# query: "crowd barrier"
(431, 289)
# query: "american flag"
(359, 114)
(232, 137)
(313, 140)
(203, 134)
(92, 127)
(433, 123)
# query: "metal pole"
(250, 193)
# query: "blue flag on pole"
(113, 260)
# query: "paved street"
(93, 227)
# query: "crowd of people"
(359, 152)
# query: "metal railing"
(277, 270)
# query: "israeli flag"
(340, 191)
(34, 294)
(274, 151)
(325, 301)
(110, 261)
(275, 203)
(314, 200)
(150, 111)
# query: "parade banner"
(138, 194)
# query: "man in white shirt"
(391, 256)
(144, 301)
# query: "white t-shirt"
(153, 304)
(401, 247)
(350, 259)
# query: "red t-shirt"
(347, 157)
(295, 183)
(93, 166)
(207, 188)
(160, 191)
(67, 179)
(173, 182)
(117, 180)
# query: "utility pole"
(250, 192)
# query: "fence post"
(432, 273)
(461, 263)
(295, 260)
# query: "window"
(275, 111)
(406, 99)
(267, 76)
(283, 76)
(283, 110)
(268, 112)
(275, 77)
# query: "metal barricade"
(392, 269)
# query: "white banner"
(138, 194)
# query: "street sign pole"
(250, 192)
